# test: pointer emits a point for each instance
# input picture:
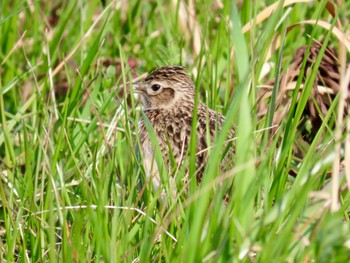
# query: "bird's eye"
(155, 87)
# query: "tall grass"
(72, 183)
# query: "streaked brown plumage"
(167, 96)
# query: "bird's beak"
(136, 84)
(138, 87)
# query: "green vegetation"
(72, 187)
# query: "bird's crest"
(172, 73)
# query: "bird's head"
(165, 87)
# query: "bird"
(168, 101)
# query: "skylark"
(168, 95)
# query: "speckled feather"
(170, 113)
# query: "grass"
(71, 180)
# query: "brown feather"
(171, 113)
